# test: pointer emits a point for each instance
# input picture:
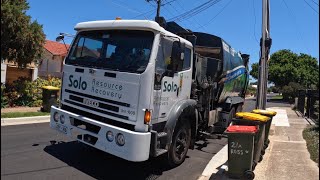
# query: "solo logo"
(169, 87)
(77, 83)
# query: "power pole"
(265, 44)
(158, 9)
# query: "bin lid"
(242, 129)
(264, 112)
(252, 116)
(50, 88)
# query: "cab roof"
(127, 25)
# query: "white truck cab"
(134, 89)
(116, 85)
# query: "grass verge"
(277, 97)
(311, 135)
(23, 114)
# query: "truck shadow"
(101, 165)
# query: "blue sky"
(238, 22)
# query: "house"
(51, 61)
(10, 72)
(50, 64)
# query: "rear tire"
(180, 144)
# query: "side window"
(187, 59)
(89, 48)
(164, 55)
(110, 50)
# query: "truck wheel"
(180, 144)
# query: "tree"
(286, 66)
(289, 92)
(21, 40)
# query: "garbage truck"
(136, 89)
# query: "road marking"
(218, 160)
(281, 119)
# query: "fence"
(306, 102)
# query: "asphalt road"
(37, 152)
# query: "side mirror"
(177, 56)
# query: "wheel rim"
(180, 146)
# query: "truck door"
(170, 88)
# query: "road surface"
(37, 152)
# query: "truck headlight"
(62, 119)
(110, 136)
(120, 139)
(56, 116)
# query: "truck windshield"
(118, 50)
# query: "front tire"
(180, 144)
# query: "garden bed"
(311, 135)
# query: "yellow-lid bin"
(50, 88)
(264, 112)
(252, 116)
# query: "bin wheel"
(261, 158)
(268, 142)
(249, 174)
(263, 152)
(254, 164)
(265, 146)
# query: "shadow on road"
(100, 165)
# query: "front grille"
(98, 98)
(98, 118)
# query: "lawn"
(311, 135)
(23, 114)
(277, 97)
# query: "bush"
(4, 99)
(289, 92)
(251, 90)
(316, 112)
(24, 92)
(311, 135)
(275, 89)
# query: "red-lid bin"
(242, 129)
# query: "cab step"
(161, 134)
(160, 151)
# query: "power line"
(255, 20)
(143, 14)
(311, 7)
(193, 18)
(128, 8)
(168, 2)
(295, 23)
(195, 10)
(191, 22)
(315, 2)
(218, 13)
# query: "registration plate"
(62, 128)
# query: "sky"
(294, 24)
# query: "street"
(37, 152)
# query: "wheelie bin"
(49, 97)
(270, 114)
(240, 151)
(252, 119)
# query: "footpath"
(286, 158)
(23, 120)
